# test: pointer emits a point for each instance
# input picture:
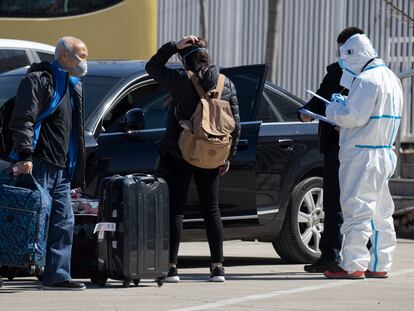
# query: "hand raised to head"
(186, 42)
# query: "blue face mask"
(342, 64)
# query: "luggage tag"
(103, 227)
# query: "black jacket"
(185, 97)
(330, 84)
(33, 96)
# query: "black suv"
(273, 191)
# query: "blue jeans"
(61, 225)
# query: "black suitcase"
(133, 229)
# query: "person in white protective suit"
(368, 119)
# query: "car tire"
(298, 241)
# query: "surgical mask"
(81, 68)
(343, 65)
(348, 76)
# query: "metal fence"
(306, 43)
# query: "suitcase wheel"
(32, 270)
(11, 273)
(102, 281)
(39, 273)
(161, 280)
(99, 279)
(94, 277)
(136, 282)
(126, 283)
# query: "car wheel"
(298, 241)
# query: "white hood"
(356, 52)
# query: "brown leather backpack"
(205, 139)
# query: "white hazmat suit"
(368, 120)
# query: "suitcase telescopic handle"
(141, 175)
(145, 178)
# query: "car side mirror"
(134, 120)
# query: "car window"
(46, 57)
(248, 81)
(275, 107)
(95, 90)
(51, 8)
(8, 87)
(11, 59)
(152, 99)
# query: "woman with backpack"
(201, 150)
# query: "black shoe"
(1, 282)
(172, 276)
(320, 266)
(66, 285)
(217, 274)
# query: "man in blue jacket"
(53, 150)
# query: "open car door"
(238, 187)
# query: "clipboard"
(327, 102)
(316, 116)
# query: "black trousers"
(178, 175)
(331, 240)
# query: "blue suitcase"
(24, 221)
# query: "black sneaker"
(320, 266)
(172, 276)
(66, 285)
(217, 274)
(1, 282)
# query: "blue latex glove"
(338, 98)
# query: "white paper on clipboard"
(327, 102)
(316, 116)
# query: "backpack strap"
(220, 85)
(218, 91)
(197, 86)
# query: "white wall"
(307, 43)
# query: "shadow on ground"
(204, 261)
(185, 262)
(20, 285)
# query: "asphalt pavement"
(256, 280)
